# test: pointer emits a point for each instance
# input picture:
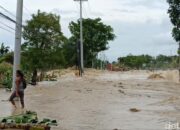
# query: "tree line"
(148, 62)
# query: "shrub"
(6, 75)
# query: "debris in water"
(156, 76)
(120, 83)
(121, 86)
(121, 91)
(78, 90)
(134, 110)
(89, 90)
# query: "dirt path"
(102, 101)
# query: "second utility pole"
(81, 37)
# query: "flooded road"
(102, 101)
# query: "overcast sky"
(141, 26)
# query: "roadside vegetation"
(46, 48)
(148, 62)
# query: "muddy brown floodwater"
(103, 101)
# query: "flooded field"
(104, 101)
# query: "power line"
(77, 7)
(6, 30)
(85, 12)
(7, 17)
(7, 25)
(27, 10)
(89, 6)
(7, 11)
(10, 19)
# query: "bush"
(6, 75)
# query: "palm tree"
(3, 49)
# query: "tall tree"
(96, 37)
(70, 53)
(43, 42)
(174, 13)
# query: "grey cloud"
(146, 3)
(64, 12)
(137, 38)
(98, 14)
(7, 38)
(123, 10)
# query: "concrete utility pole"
(17, 46)
(81, 36)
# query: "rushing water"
(96, 103)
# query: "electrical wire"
(77, 7)
(89, 7)
(7, 17)
(7, 11)
(7, 25)
(6, 30)
(10, 19)
(28, 11)
(85, 12)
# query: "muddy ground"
(103, 100)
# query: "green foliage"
(99, 64)
(70, 53)
(135, 61)
(5, 55)
(164, 62)
(4, 67)
(7, 58)
(3, 49)
(47, 48)
(174, 13)
(42, 49)
(6, 74)
(96, 37)
(149, 62)
(30, 118)
(6, 61)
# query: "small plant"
(7, 82)
(6, 75)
